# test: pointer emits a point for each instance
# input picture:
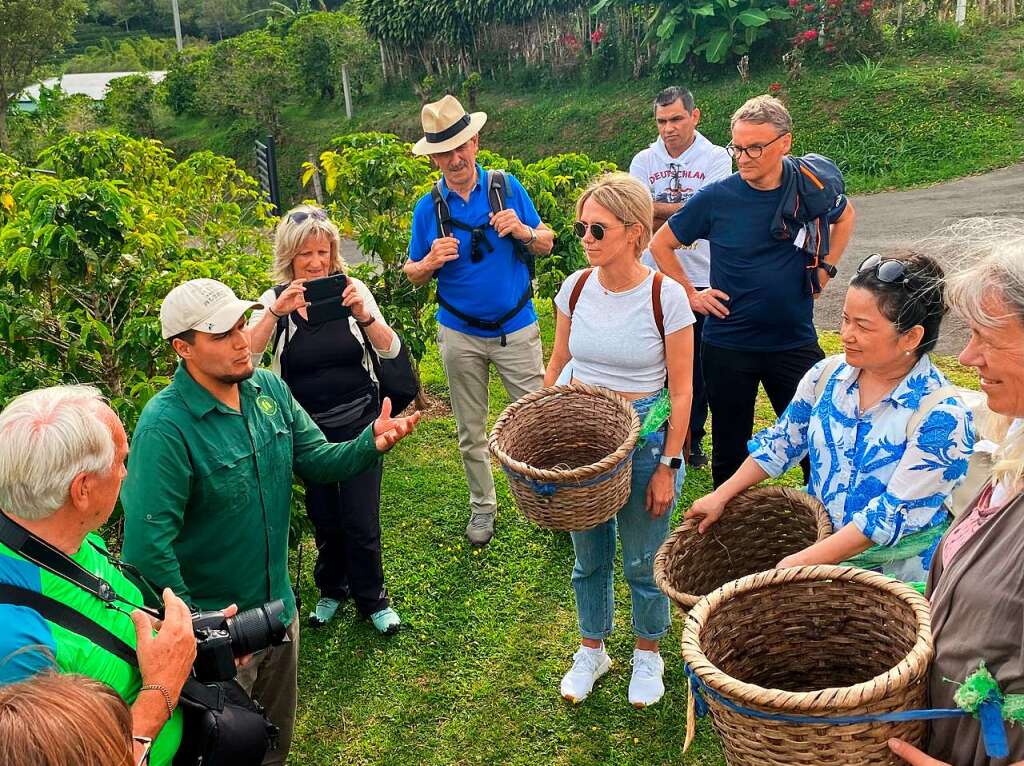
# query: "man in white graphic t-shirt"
(674, 168)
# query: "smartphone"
(324, 298)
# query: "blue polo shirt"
(769, 306)
(491, 288)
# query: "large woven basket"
(821, 641)
(759, 528)
(567, 452)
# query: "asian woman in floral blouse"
(882, 472)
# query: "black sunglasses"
(302, 215)
(597, 229)
(888, 270)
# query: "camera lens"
(256, 629)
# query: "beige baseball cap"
(205, 305)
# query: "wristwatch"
(674, 463)
(828, 268)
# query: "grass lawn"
(473, 676)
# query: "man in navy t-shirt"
(760, 313)
(485, 314)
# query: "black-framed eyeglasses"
(755, 151)
(596, 229)
(302, 215)
(891, 271)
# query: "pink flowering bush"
(834, 29)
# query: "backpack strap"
(281, 330)
(497, 190)
(927, 404)
(577, 288)
(659, 316)
(826, 375)
(442, 213)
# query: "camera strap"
(69, 618)
(207, 695)
(56, 562)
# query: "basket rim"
(909, 670)
(689, 526)
(580, 473)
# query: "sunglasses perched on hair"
(888, 270)
(302, 215)
(596, 229)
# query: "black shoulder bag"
(223, 725)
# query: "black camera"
(220, 639)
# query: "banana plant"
(717, 28)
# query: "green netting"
(910, 546)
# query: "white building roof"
(92, 85)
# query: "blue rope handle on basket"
(547, 489)
(990, 716)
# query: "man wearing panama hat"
(478, 233)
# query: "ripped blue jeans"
(641, 537)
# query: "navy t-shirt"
(769, 307)
(488, 289)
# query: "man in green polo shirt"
(208, 494)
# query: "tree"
(129, 104)
(320, 44)
(30, 34)
(250, 79)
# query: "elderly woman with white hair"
(976, 583)
(329, 368)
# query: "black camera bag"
(224, 726)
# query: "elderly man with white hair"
(62, 461)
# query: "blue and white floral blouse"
(863, 468)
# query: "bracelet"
(274, 313)
(368, 322)
(163, 691)
(532, 239)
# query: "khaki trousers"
(466, 359)
(272, 678)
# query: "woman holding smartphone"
(330, 371)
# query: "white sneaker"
(646, 686)
(588, 665)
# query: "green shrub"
(128, 105)
(86, 257)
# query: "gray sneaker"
(480, 529)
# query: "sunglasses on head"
(596, 229)
(302, 215)
(888, 270)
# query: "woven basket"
(811, 641)
(758, 529)
(567, 452)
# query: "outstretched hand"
(912, 755)
(388, 431)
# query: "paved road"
(890, 219)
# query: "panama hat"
(447, 126)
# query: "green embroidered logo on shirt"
(268, 405)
